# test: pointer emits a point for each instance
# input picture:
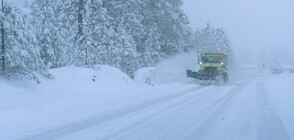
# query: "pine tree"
(172, 25)
(151, 52)
(127, 28)
(212, 39)
(51, 36)
(21, 53)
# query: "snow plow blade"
(192, 74)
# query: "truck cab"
(213, 67)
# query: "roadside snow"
(145, 75)
(74, 80)
(25, 106)
(73, 95)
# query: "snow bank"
(69, 82)
(171, 70)
(83, 80)
(73, 94)
(145, 75)
(72, 80)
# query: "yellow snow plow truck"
(213, 67)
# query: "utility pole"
(3, 41)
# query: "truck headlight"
(222, 63)
(200, 63)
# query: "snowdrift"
(83, 80)
(72, 80)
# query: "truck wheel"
(226, 78)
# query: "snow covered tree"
(92, 35)
(212, 40)
(85, 49)
(150, 53)
(21, 52)
(51, 36)
(127, 34)
(128, 30)
(204, 39)
(128, 62)
(154, 28)
(172, 25)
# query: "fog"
(252, 25)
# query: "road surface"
(251, 107)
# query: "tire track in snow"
(269, 124)
(167, 130)
(54, 133)
(218, 108)
(242, 125)
(164, 110)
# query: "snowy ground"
(105, 104)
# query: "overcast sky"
(250, 24)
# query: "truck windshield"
(211, 59)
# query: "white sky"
(250, 24)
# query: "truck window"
(211, 59)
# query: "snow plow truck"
(213, 68)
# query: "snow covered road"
(241, 110)
(255, 107)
